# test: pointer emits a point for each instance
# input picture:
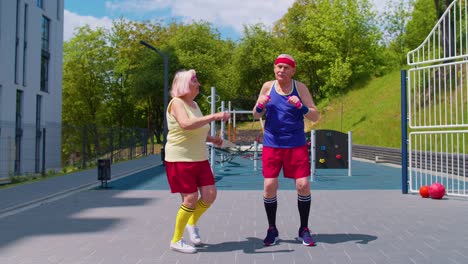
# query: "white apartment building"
(31, 47)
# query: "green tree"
(440, 6)
(423, 19)
(394, 21)
(253, 62)
(199, 46)
(330, 33)
(86, 75)
(138, 91)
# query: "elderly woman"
(186, 160)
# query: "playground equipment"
(330, 150)
(229, 150)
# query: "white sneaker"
(194, 235)
(183, 247)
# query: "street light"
(166, 93)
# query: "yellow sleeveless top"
(184, 144)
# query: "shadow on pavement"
(253, 245)
(342, 238)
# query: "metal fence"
(439, 156)
(22, 149)
(84, 145)
(65, 148)
(437, 93)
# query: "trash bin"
(163, 155)
(104, 170)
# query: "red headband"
(287, 61)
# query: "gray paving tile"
(26, 194)
(135, 226)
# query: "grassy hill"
(372, 112)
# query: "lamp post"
(166, 92)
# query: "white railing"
(447, 40)
(437, 95)
(439, 157)
(437, 104)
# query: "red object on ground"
(338, 156)
(436, 190)
(424, 191)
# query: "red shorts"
(294, 162)
(186, 177)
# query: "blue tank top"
(284, 123)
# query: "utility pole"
(166, 92)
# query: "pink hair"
(180, 84)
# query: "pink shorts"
(186, 177)
(294, 162)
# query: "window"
(38, 133)
(19, 108)
(44, 72)
(40, 4)
(38, 112)
(45, 55)
(0, 102)
(25, 42)
(1, 18)
(17, 40)
(59, 9)
(45, 33)
(19, 131)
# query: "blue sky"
(228, 16)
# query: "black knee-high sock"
(270, 209)
(303, 204)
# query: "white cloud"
(138, 6)
(72, 21)
(222, 13)
(233, 13)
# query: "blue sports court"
(240, 174)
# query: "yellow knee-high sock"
(199, 210)
(183, 216)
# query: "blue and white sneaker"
(306, 238)
(272, 237)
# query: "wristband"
(259, 108)
(304, 109)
